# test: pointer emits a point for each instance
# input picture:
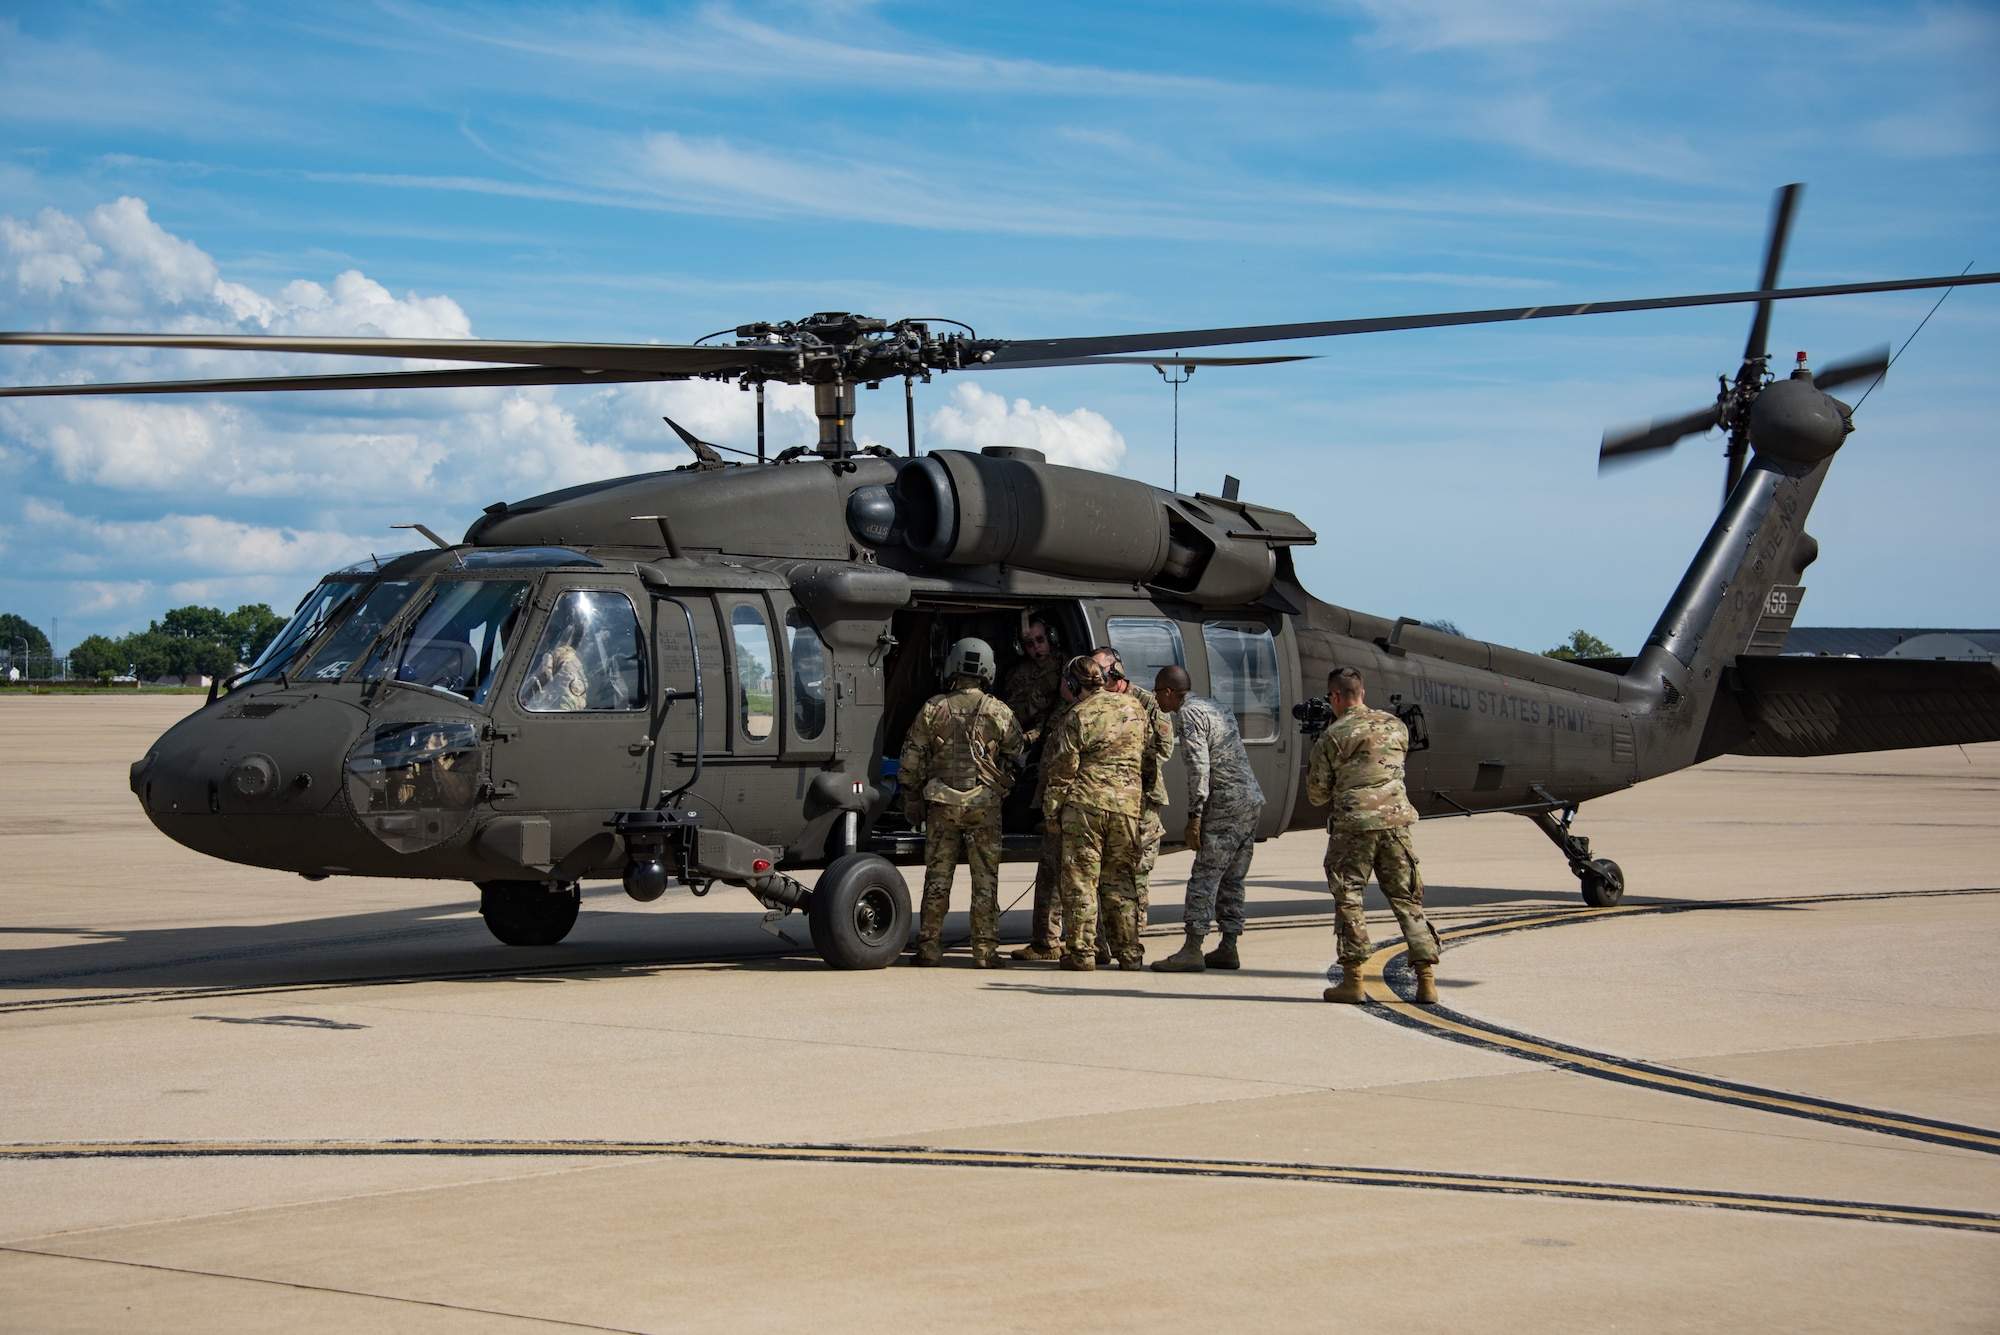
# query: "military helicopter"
(702, 675)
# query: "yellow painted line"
(925, 1156)
(1375, 987)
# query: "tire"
(1603, 884)
(860, 913)
(528, 913)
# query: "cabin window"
(1146, 644)
(756, 676)
(1243, 675)
(808, 657)
(459, 642)
(589, 658)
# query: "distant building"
(1893, 642)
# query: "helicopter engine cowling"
(1795, 422)
(1009, 507)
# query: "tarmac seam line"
(315, 1288)
(929, 1156)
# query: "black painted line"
(1392, 988)
(928, 1156)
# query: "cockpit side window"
(459, 642)
(316, 611)
(352, 639)
(589, 657)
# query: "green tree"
(147, 653)
(97, 656)
(253, 626)
(14, 629)
(1582, 644)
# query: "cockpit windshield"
(317, 610)
(459, 642)
(349, 642)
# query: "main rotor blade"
(653, 358)
(466, 379)
(1048, 349)
(1782, 206)
(1145, 361)
(1867, 366)
(1660, 434)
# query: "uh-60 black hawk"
(702, 674)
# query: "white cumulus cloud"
(976, 418)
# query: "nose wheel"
(1601, 879)
(528, 913)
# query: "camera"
(1314, 715)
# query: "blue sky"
(660, 171)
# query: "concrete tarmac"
(1763, 1092)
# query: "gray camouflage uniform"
(1223, 791)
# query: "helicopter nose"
(209, 779)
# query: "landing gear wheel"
(860, 914)
(1603, 884)
(528, 913)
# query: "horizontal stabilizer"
(1836, 706)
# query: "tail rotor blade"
(1782, 207)
(1868, 366)
(1622, 446)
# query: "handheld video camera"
(1315, 716)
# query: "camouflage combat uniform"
(1047, 930)
(1095, 782)
(1357, 765)
(1153, 774)
(1223, 791)
(1032, 691)
(955, 763)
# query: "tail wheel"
(528, 913)
(1603, 884)
(860, 913)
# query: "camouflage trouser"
(1350, 856)
(1215, 884)
(1151, 832)
(969, 834)
(1048, 916)
(1100, 857)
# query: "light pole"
(1187, 371)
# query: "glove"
(1191, 836)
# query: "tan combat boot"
(930, 954)
(1427, 988)
(1224, 955)
(1185, 960)
(988, 961)
(1349, 992)
(1036, 951)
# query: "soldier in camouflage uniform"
(1045, 943)
(1224, 806)
(1357, 765)
(1094, 782)
(1034, 687)
(956, 770)
(1153, 773)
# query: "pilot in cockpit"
(559, 682)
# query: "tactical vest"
(964, 763)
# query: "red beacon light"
(761, 865)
